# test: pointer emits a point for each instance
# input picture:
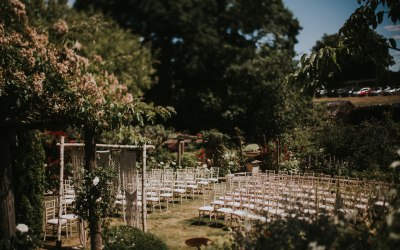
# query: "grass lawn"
(181, 223)
(174, 226)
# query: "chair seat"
(166, 195)
(179, 190)
(225, 210)
(217, 202)
(70, 191)
(250, 206)
(257, 217)
(310, 211)
(120, 202)
(68, 201)
(69, 217)
(152, 199)
(206, 208)
(240, 213)
(69, 196)
(233, 204)
(55, 221)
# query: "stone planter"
(251, 153)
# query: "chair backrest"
(50, 209)
(214, 172)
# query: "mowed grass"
(181, 223)
(173, 226)
(362, 101)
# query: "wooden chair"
(51, 221)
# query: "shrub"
(326, 233)
(124, 237)
(28, 170)
(95, 199)
(221, 151)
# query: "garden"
(121, 131)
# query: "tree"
(326, 40)
(45, 83)
(367, 65)
(35, 78)
(212, 56)
(320, 67)
(98, 38)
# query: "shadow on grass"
(207, 223)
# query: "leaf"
(379, 15)
(392, 43)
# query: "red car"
(364, 92)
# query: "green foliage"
(28, 171)
(330, 233)
(189, 159)
(95, 199)
(323, 144)
(367, 65)
(357, 42)
(124, 238)
(367, 147)
(21, 241)
(162, 157)
(220, 150)
(221, 63)
(99, 38)
(380, 229)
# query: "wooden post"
(277, 152)
(180, 151)
(61, 193)
(144, 209)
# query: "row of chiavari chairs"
(270, 196)
(165, 187)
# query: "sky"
(319, 17)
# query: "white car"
(377, 91)
(389, 91)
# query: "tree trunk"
(96, 241)
(90, 150)
(7, 208)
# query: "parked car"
(377, 91)
(389, 91)
(397, 90)
(342, 93)
(332, 93)
(352, 92)
(364, 92)
(321, 93)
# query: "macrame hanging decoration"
(130, 187)
(77, 161)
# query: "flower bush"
(95, 199)
(23, 239)
(127, 238)
(251, 148)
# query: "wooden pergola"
(143, 150)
